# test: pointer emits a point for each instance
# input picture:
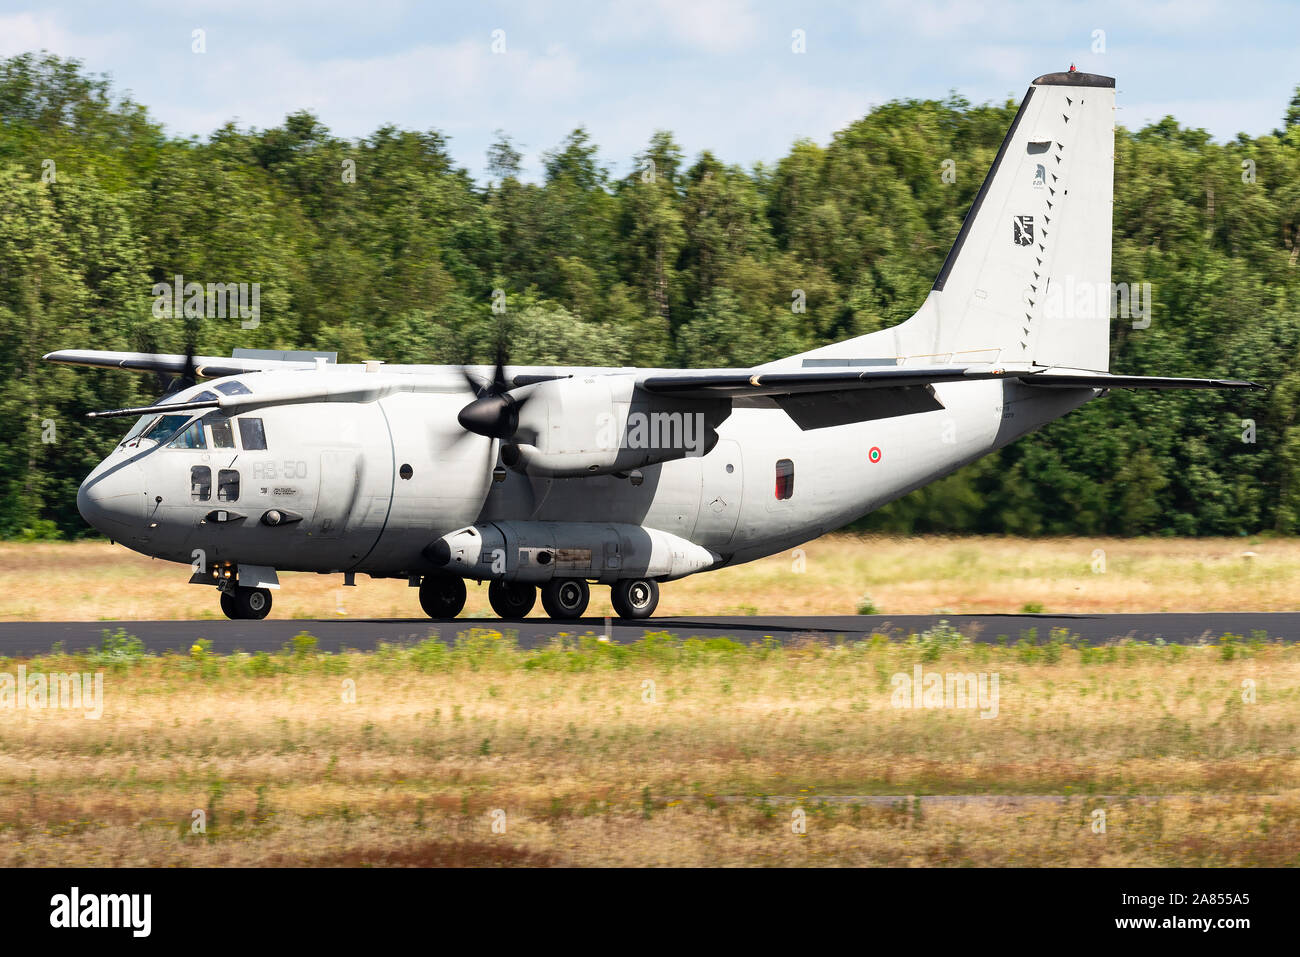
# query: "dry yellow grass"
(590, 765)
(89, 581)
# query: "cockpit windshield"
(164, 427)
(161, 428)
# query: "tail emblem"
(1022, 230)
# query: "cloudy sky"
(721, 74)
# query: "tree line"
(382, 247)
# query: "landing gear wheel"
(511, 599)
(442, 596)
(251, 604)
(634, 597)
(565, 598)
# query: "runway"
(25, 638)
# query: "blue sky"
(721, 74)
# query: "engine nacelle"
(599, 425)
(540, 551)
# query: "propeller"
(494, 413)
(169, 385)
(190, 374)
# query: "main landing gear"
(635, 597)
(251, 604)
(565, 599)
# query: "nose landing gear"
(241, 603)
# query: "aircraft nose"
(112, 501)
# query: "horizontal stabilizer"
(1102, 380)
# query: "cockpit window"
(164, 427)
(232, 388)
(251, 434)
(204, 396)
(223, 436)
(191, 438)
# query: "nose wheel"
(634, 597)
(251, 604)
(565, 598)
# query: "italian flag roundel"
(874, 454)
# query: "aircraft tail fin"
(1028, 279)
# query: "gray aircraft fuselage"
(375, 482)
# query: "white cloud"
(31, 32)
(707, 26)
(440, 84)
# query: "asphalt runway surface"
(336, 634)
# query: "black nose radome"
(438, 553)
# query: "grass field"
(98, 581)
(667, 752)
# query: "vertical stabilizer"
(1028, 279)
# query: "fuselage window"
(232, 388)
(251, 434)
(200, 483)
(223, 436)
(191, 438)
(228, 485)
(784, 478)
(165, 427)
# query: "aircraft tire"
(565, 598)
(442, 595)
(511, 600)
(634, 597)
(252, 604)
(228, 606)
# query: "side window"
(223, 436)
(228, 485)
(784, 478)
(251, 434)
(191, 438)
(200, 483)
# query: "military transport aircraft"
(561, 477)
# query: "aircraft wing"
(820, 398)
(208, 367)
(729, 383)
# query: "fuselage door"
(720, 490)
(338, 492)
